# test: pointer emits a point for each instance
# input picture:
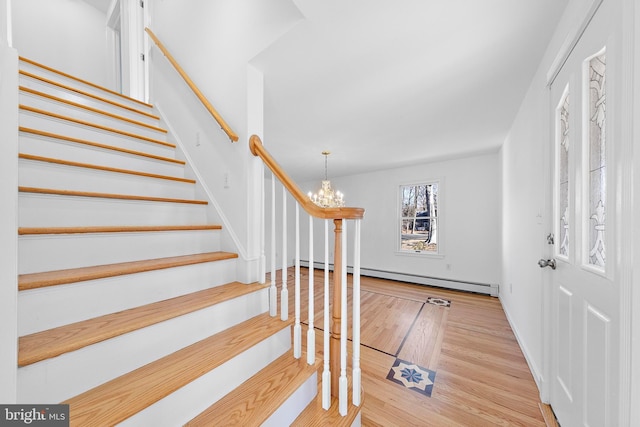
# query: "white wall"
(469, 213)
(68, 35)
(214, 42)
(635, 300)
(5, 23)
(8, 223)
(522, 229)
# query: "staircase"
(128, 306)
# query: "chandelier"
(326, 197)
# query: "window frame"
(438, 253)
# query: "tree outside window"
(419, 217)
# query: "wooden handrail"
(225, 127)
(257, 149)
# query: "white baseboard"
(482, 288)
(533, 367)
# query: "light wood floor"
(482, 378)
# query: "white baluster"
(326, 373)
(356, 317)
(311, 333)
(297, 329)
(273, 291)
(284, 294)
(342, 391)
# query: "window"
(596, 176)
(563, 153)
(419, 218)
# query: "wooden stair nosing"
(255, 400)
(96, 125)
(98, 145)
(122, 397)
(52, 191)
(50, 343)
(74, 275)
(87, 94)
(104, 168)
(92, 109)
(62, 73)
(29, 231)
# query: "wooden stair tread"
(98, 145)
(86, 94)
(73, 275)
(108, 195)
(54, 342)
(255, 400)
(122, 397)
(95, 125)
(103, 168)
(53, 70)
(315, 416)
(92, 109)
(26, 231)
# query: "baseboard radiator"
(459, 285)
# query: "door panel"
(565, 342)
(597, 327)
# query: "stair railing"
(223, 124)
(334, 375)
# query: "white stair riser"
(50, 307)
(72, 96)
(75, 152)
(33, 69)
(62, 377)
(83, 114)
(186, 403)
(74, 130)
(59, 252)
(290, 410)
(42, 210)
(62, 177)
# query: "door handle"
(547, 263)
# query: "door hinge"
(142, 3)
(142, 56)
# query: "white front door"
(584, 307)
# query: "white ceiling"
(388, 83)
(101, 5)
(383, 83)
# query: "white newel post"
(256, 181)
